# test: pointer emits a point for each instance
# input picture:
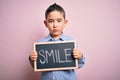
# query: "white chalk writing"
(55, 56)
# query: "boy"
(55, 22)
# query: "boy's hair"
(54, 7)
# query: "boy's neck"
(56, 37)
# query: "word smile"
(56, 56)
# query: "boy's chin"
(56, 34)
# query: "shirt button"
(53, 78)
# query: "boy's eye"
(50, 21)
(59, 20)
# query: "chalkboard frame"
(60, 68)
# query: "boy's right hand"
(33, 56)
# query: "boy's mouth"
(55, 30)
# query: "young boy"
(55, 22)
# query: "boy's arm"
(31, 62)
(78, 55)
(32, 58)
(81, 62)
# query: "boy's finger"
(34, 52)
(73, 48)
(34, 57)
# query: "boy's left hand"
(77, 54)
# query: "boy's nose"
(55, 24)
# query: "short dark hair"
(54, 7)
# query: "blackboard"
(55, 56)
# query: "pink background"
(95, 24)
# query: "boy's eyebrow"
(56, 19)
(50, 19)
(59, 18)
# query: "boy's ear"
(66, 21)
(45, 22)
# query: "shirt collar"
(61, 38)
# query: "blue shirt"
(60, 74)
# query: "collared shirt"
(60, 74)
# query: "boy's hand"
(77, 54)
(33, 56)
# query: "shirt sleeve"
(31, 62)
(81, 62)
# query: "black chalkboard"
(55, 56)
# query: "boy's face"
(55, 23)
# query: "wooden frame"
(75, 61)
